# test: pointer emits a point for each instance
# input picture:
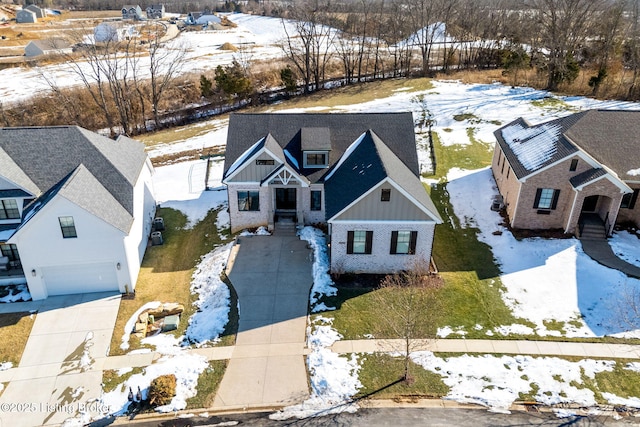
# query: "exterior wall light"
(33, 273)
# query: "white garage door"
(81, 278)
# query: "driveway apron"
(61, 367)
(272, 276)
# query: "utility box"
(156, 238)
(158, 224)
(171, 323)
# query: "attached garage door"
(81, 278)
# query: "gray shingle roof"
(530, 148)
(395, 129)
(586, 177)
(612, 137)
(42, 159)
(370, 162)
(315, 139)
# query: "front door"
(285, 199)
(590, 203)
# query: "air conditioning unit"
(158, 224)
(156, 238)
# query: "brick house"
(554, 174)
(358, 174)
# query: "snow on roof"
(532, 145)
(634, 172)
(346, 155)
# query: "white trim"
(292, 174)
(397, 187)
(573, 207)
(249, 160)
(382, 221)
(322, 166)
(612, 179)
(515, 211)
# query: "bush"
(162, 390)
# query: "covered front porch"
(11, 272)
(286, 197)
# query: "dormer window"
(316, 159)
(9, 209)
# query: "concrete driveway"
(61, 367)
(272, 276)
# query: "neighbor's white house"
(76, 210)
(358, 174)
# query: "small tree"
(515, 58)
(233, 80)
(206, 86)
(162, 390)
(410, 308)
(288, 80)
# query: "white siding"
(380, 261)
(41, 245)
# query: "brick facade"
(380, 261)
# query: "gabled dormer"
(12, 202)
(257, 162)
(315, 144)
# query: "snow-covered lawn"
(546, 279)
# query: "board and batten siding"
(398, 208)
(252, 172)
(380, 261)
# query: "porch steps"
(285, 227)
(593, 231)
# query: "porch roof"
(586, 177)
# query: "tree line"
(556, 39)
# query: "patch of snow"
(5, 365)
(444, 331)
(214, 299)
(85, 359)
(321, 307)
(496, 382)
(18, 293)
(625, 245)
(515, 328)
(564, 413)
(630, 402)
(260, 231)
(634, 172)
(186, 367)
(322, 283)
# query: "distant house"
(557, 174)
(113, 32)
(155, 11)
(26, 16)
(47, 47)
(76, 209)
(202, 18)
(131, 12)
(357, 174)
(40, 13)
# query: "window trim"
(248, 197)
(368, 243)
(385, 195)
(411, 249)
(69, 229)
(306, 154)
(553, 199)
(9, 213)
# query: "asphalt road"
(393, 417)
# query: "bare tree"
(632, 50)
(309, 47)
(562, 26)
(410, 308)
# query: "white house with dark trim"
(76, 210)
(356, 173)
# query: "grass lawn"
(471, 156)
(380, 373)
(208, 384)
(14, 333)
(166, 272)
(111, 380)
(182, 133)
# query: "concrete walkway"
(272, 276)
(600, 251)
(61, 367)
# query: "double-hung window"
(403, 242)
(248, 200)
(359, 242)
(67, 226)
(546, 199)
(316, 200)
